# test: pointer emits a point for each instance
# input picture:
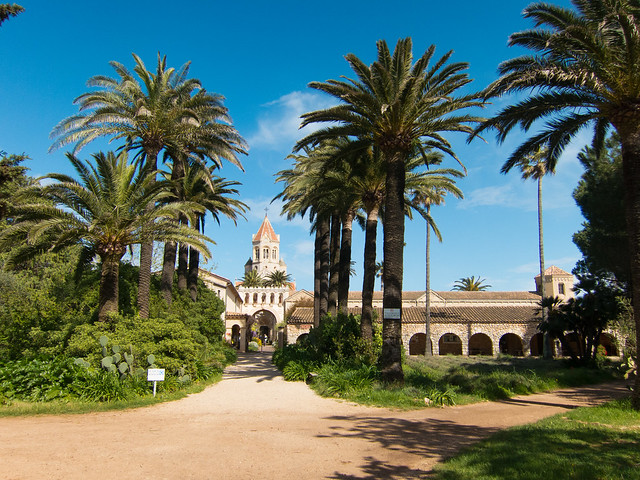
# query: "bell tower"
(265, 255)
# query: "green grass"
(597, 443)
(58, 407)
(460, 380)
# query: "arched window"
(266, 253)
(257, 253)
(264, 297)
(255, 298)
(246, 298)
(280, 298)
(275, 254)
(273, 298)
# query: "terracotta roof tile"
(266, 231)
(441, 315)
(553, 270)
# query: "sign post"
(155, 375)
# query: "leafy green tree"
(152, 112)
(12, 178)
(583, 71)
(397, 106)
(106, 212)
(278, 279)
(603, 239)
(585, 317)
(470, 284)
(9, 10)
(252, 279)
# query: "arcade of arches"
(482, 344)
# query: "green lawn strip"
(599, 443)
(464, 380)
(75, 406)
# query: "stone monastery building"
(462, 323)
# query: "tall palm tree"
(583, 71)
(151, 112)
(470, 284)
(396, 105)
(534, 166)
(106, 212)
(430, 190)
(215, 194)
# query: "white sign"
(391, 313)
(155, 374)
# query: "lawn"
(448, 380)
(597, 443)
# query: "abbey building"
(462, 323)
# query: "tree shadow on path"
(255, 365)
(426, 438)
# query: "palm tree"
(203, 188)
(470, 284)
(431, 191)
(278, 279)
(151, 112)
(252, 279)
(106, 212)
(534, 166)
(398, 107)
(7, 10)
(583, 71)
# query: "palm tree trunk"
(194, 263)
(168, 270)
(146, 251)
(345, 262)
(369, 275)
(428, 349)
(170, 248)
(325, 260)
(316, 277)
(547, 349)
(334, 270)
(391, 356)
(109, 288)
(183, 261)
(630, 140)
(192, 278)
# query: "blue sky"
(261, 56)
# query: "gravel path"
(254, 425)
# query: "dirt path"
(253, 424)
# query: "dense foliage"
(48, 319)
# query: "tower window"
(561, 289)
(275, 253)
(266, 254)
(273, 298)
(257, 253)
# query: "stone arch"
(480, 344)
(302, 338)
(418, 344)
(265, 325)
(235, 335)
(511, 344)
(536, 345)
(608, 341)
(450, 344)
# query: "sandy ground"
(253, 424)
